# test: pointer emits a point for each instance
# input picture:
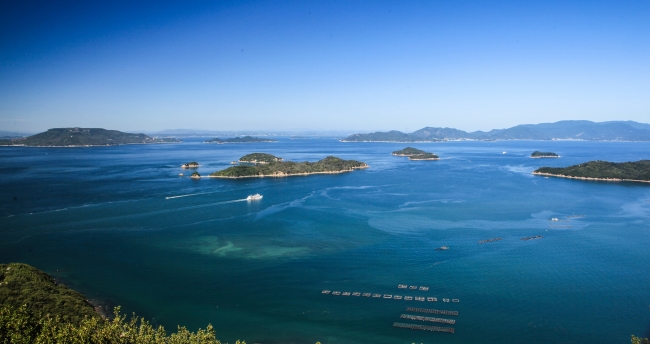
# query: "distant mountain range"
(563, 130)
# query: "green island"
(245, 139)
(415, 154)
(408, 151)
(279, 168)
(191, 164)
(34, 308)
(195, 175)
(538, 154)
(638, 171)
(83, 137)
(260, 158)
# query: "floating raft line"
(424, 327)
(489, 240)
(431, 319)
(431, 311)
(532, 238)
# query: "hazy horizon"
(294, 66)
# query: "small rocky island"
(638, 171)
(267, 165)
(191, 164)
(415, 154)
(538, 155)
(195, 175)
(84, 137)
(245, 139)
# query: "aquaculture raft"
(431, 311)
(424, 327)
(422, 318)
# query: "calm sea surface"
(100, 220)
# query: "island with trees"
(84, 137)
(415, 154)
(195, 175)
(538, 155)
(280, 168)
(260, 158)
(191, 164)
(637, 171)
(245, 139)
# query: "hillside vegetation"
(35, 309)
(22, 284)
(639, 170)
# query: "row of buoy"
(413, 287)
(388, 296)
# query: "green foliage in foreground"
(408, 151)
(329, 164)
(20, 326)
(260, 158)
(23, 284)
(639, 170)
(538, 154)
(637, 340)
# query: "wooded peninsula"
(638, 171)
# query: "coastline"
(544, 157)
(281, 174)
(223, 143)
(82, 146)
(589, 178)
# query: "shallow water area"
(109, 222)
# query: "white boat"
(255, 197)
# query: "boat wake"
(188, 195)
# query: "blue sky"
(349, 65)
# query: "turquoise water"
(98, 219)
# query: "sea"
(122, 227)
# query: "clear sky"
(275, 65)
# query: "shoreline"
(282, 175)
(82, 146)
(543, 157)
(589, 178)
(223, 143)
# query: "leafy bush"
(21, 326)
